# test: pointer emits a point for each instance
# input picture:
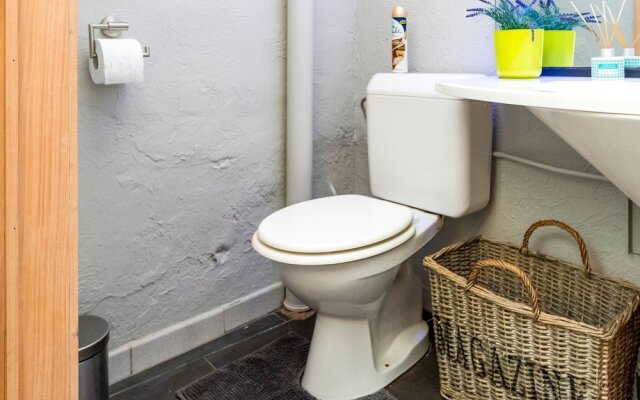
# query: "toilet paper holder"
(110, 27)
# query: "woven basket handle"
(584, 254)
(482, 264)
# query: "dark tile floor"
(162, 381)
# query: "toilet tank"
(428, 150)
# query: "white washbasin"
(600, 120)
(610, 142)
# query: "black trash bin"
(93, 337)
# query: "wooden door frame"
(38, 200)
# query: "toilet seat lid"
(333, 224)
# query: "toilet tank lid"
(333, 224)
(412, 85)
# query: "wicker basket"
(528, 326)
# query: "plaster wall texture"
(334, 103)
(586, 46)
(441, 40)
(177, 172)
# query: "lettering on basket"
(514, 374)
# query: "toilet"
(349, 257)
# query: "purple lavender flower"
(508, 14)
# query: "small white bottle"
(630, 58)
(399, 48)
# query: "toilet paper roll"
(118, 61)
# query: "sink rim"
(586, 86)
(519, 92)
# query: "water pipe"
(299, 162)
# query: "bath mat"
(272, 373)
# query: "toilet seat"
(334, 224)
(338, 257)
(334, 230)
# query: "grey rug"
(271, 373)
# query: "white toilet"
(347, 256)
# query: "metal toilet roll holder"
(110, 27)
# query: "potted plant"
(559, 33)
(518, 41)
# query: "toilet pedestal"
(352, 357)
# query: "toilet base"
(342, 364)
(294, 304)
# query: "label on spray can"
(399, 41)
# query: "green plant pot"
(519, 53)
(559, 48)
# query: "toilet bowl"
(369, 326)
(349, 256)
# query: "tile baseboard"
(146, 352)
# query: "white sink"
(610, 142)
(600, 120)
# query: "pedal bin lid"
(93, 336)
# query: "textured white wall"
(586, 46)
(334, 105)
(176, 172)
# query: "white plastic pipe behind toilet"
(299, 111)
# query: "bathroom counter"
(564, 93)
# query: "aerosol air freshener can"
(399, 40)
